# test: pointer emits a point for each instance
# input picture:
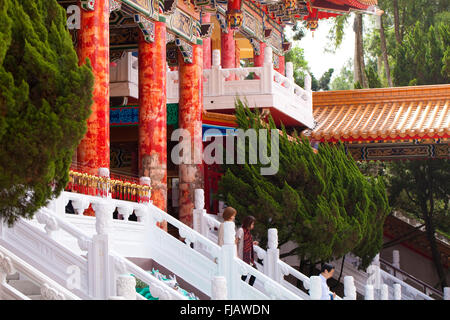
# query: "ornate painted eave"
(387, 114)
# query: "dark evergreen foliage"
(45, 99)
(320, 201)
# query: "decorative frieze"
(184, 26)
(148, 7)
(252, 26)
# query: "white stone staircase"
(72, 256)
(25, 286)
(93, 250)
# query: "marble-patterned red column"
(153, 114)
(228, 51)
(206, 18)
(190, 119)
(93, 43)
(258, 59)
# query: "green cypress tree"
(320, 201)
(45, 99)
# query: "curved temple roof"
(404, 113)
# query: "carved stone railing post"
(199, 222)
(384, 292)
(126, 287)
(268, 71)
(219, 288)
(6, 267)
(375, 276)
(315, 288)
(368, 293)
(100, 286)
(396, 259)
(225, 262)
(349, 288)
(290, 76)
(447, 293)
(308, 82)
(273, 255)
(216, 82)
(397, 291)
(103, 217)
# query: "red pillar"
(228, 50)
(281, 67)
(153, 114)
(258, 60)
(190, 119)
(206, 18)
(93, 43)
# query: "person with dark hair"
(246, 243)
(326, 272)
(228, 215)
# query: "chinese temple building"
(392, 124)
(163, 65)
(387, 123)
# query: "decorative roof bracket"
(186, 50)
(147, 27)
(88, 5)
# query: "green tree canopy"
(421, 187)
(320, 201)
(45, 99)
(424, 56)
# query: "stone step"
(35, 297)
(25, 286)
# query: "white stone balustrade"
(219, 288)
(369, 292)
(222, 86)
(349, 288)
(50, 289)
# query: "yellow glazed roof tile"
(403, 113)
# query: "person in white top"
(228, 215)
(326, 273)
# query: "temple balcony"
(262, 87)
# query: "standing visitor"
(326, 273)
(228, 216)
(246, 243)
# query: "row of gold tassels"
(102, 186)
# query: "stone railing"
(375, 284)
(262, 87)
(49, 289)
(85, 263)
